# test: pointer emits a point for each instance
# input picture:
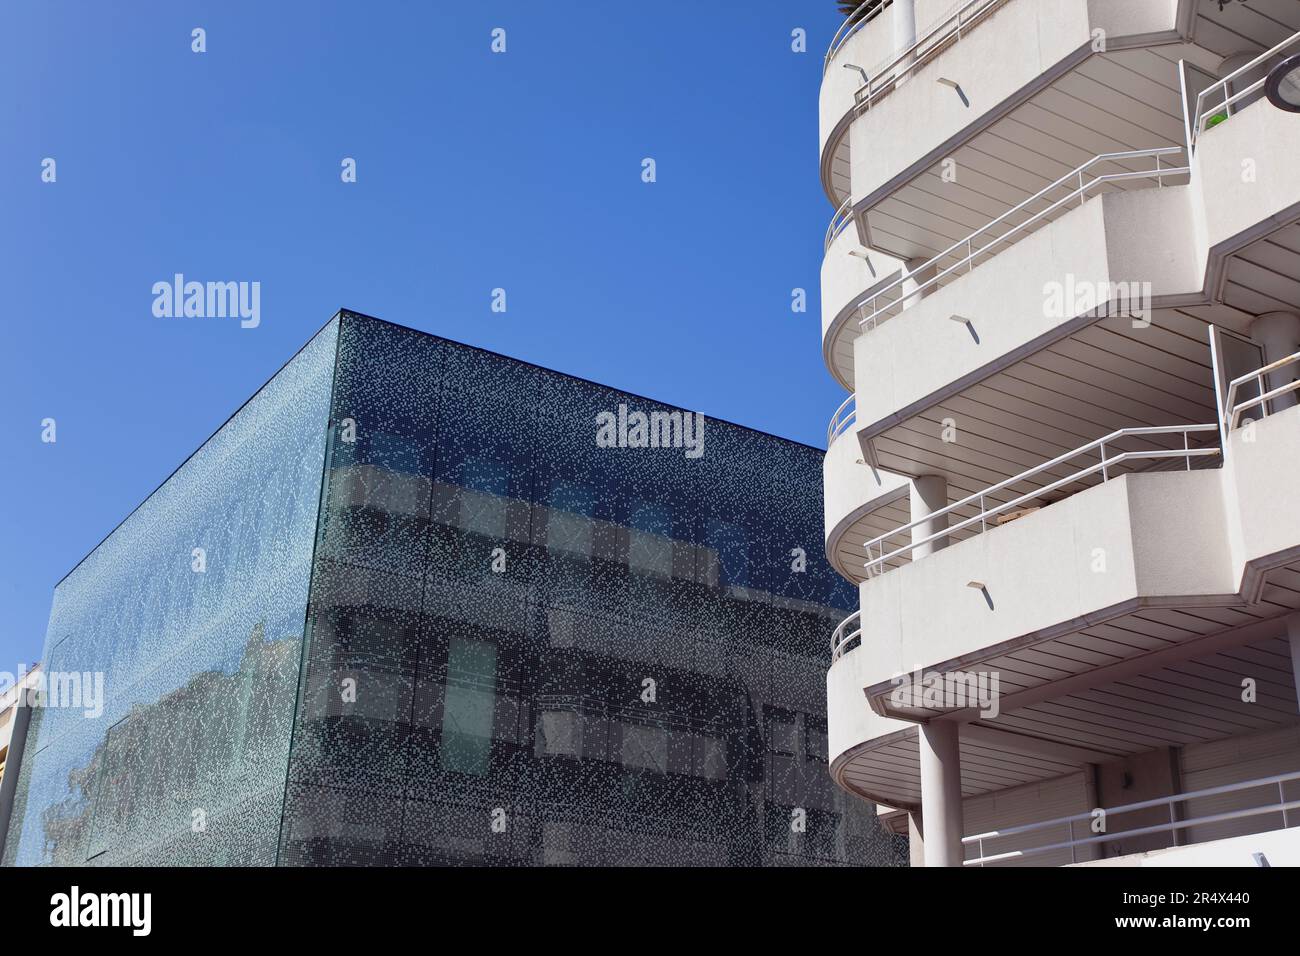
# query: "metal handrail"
(1159, 173)
(854, 22)
(1263, 398)
(951, 25)
(1104, 466)
(1204, 115)
(842, 636)
(843, 216)
(1282, 805)
(843, 419)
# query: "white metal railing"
(843, 216)
(849, 630)
(869, 320)
(979, 499)
(883, 78)
(854, 22)
(844, 418)
(1263, 398)
(1223, 108)
(1072, 844)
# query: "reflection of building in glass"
(520, 647)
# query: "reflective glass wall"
(189, 619)
(530, 642)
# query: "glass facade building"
(405, 607)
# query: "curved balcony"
(859, 501)
(847, 636)
(844, 418)
(1048, 204)
(849, 274)
(850, 87)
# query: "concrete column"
(1230, 65)
(1278, 334)
(904, 30)
(1293, 632)
(941, 793)
(929, 494)
(915, 838)
(913, 276)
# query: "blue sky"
(474, 171)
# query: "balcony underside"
(1113, 102)
(1105, 376)
(1194, 699)
(1217, 32)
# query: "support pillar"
(913, 276)
(915, 838)
(941, 792)
(1278, 334)
(929, 494)
(904, 31)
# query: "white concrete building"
(1063, 266)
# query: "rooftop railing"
(1085, 820)
(1105, 465)
(1264, 399)
(847, 636)
(844, 418)
(930, 42)
(985, 240)
(1222, 110)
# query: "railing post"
(1187, 451)
(1073, 850)
(1082, 198)
(970, 256)
(1105, 476)
(1281, 799)
(1263, 406)
(984, 524)
(1160, 176)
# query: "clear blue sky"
(475, 171)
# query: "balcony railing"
(1264, 399)
(843, 216)
(884, 78)
(1084, 820)
(985, 240)
(847, 636)
(1105, 466)
(844, 418)
(1222, 109)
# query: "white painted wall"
(1001, 56)
(850, 487)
